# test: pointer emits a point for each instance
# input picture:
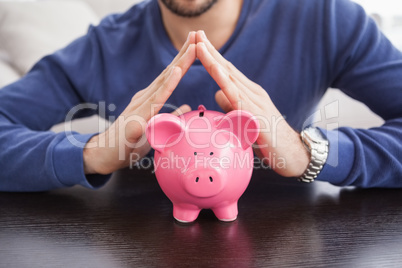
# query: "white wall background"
(388, 14)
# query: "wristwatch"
(317, 145)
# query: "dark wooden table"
(129, 223)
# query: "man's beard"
(183, 11)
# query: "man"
(286, 53)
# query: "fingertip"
(220, 96)
(185, 108)
(202, 34)
(223, 101)
(192, 37)
(199, 36)
(218, 93)
(191, 46)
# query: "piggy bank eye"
(195, 153)
(211, 153)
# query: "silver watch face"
(314, 134)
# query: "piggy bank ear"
(243, 125)
(161, 128)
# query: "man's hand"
(281, 143)
(110, 150)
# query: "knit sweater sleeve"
(31, 157)
(367, 67)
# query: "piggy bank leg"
(226, 213)
(185, 214)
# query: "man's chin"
(183, 8)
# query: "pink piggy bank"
(203, 160)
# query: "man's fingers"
(190, 40)
(201, 37)
(217, 73)
(187, 59)
(184, 60)
(183, 64)
(223, 102)
(182, 110)
(227, 84)
(151, 105)
(163, 93)
(206, 58)
(222, 76)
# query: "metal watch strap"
(319, 155)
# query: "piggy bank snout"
(203, 182)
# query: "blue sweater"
(294, 49)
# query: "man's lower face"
(189, 8)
